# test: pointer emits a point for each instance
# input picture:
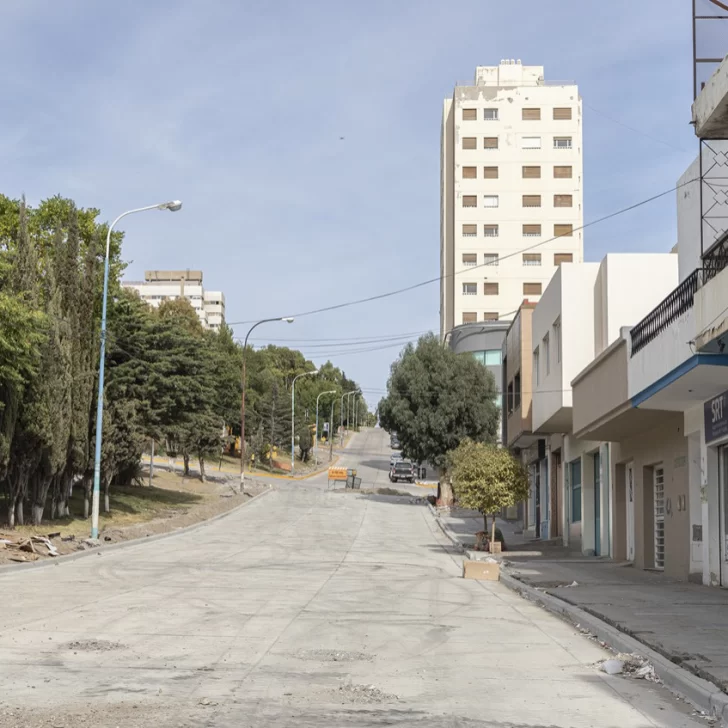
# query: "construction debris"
(630, 665)
(31, 546)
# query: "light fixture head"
(172, 206)
(288, 319)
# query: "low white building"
(579, 316)
(168, 285)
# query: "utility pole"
(293, 416)
(315, 445)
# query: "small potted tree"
(486, 479)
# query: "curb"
(703, 694)
(9, 568)
(450, 536)
(294, 477)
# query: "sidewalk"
(686, 623)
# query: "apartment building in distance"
(168, 285)
(511, 191)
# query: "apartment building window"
(490, 231)
(532, 289)
(531, 200)
(531, 172)
(531, 142)
(531, 114)
(470, 114)
(470, 172)
(536, 367)
(490, 258)
(470, 289)
(557, 339)
(532, 259)
(563, 172)
(532, 230)
(563, 201)
(510, 398)
(490, 316)
(490, 288)
(470, 230)
(470, 317)
(490, 172)
(490, 143)
(470, 200)
(563, 230)
(562, 142)
(470, 259)
(490, 200)
(490, 114)
(546, 347)
(575, 473)
(470, 143)
(517, 390)
(560, 258)
(562, 113)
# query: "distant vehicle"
(394, 458)
(402, 470)
(394, 443)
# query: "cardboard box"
(481, 570)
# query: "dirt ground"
(136, 512)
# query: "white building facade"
(168, 285)
(511, 191)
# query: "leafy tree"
(435, 399)
(487, 478)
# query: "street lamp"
(293, 415)
(347, 395)
(243, 377)
(172, 206)
(331, 424)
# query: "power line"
(355, 338)
(427, 282)
(635, 130)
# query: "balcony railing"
(675, 305)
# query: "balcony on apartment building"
(677, 351)
(710, 109)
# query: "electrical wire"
(468, 270)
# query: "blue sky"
(237, 108)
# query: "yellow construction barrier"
(337, 474)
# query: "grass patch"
(129, 505)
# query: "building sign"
(715, 412)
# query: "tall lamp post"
(242, 400)
(347, 395)
(331, 424)
(172, 206)
(293, 416)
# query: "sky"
(304, 140)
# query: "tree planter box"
(481, 570)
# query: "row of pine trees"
(167, 380)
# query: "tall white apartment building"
(168, 285)
(511, 191)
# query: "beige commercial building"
(511, 191)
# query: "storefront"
(715, 413)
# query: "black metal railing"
(675, 305)
(715, 259)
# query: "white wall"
(570, 298)
(628, 287)
(665, 352)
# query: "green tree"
(486, 478)
(435, 399)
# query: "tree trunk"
(186, 459)
(445, 494)
(12, 503)
(202, 469)
(37, 511)
(87, 494)
(19, 515)
(106, 485)
(151, 465)
(492, 540)
(485, 522)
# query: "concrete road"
(304, 608)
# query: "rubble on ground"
(630, 665)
